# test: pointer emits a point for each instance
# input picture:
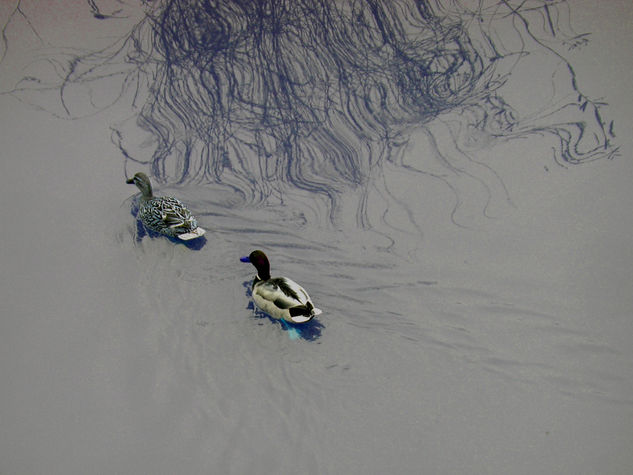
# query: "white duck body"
(164, 214)
(279, 297)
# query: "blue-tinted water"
(400, 160)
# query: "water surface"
(472, 323)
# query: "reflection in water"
(275, 99)
(313, 103)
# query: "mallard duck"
(164, 214)
(279, 297)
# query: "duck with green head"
(164, 214)
(279, 297)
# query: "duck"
(279, 297)
(164, 214)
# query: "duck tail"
(313, 310)
(307, 310)
(300, 311)
(303, 313)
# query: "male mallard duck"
(279, 297)
(164, 214)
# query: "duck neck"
(262, 275)
(146, 192)
(257, 280)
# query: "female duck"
(164, 214)
(279, 297)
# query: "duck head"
(141, 180)
(260, 261)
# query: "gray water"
(468, 341)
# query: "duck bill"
(130, 181)
(245, 259)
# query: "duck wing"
(169, 213)
(174, 213)
(282, 292)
